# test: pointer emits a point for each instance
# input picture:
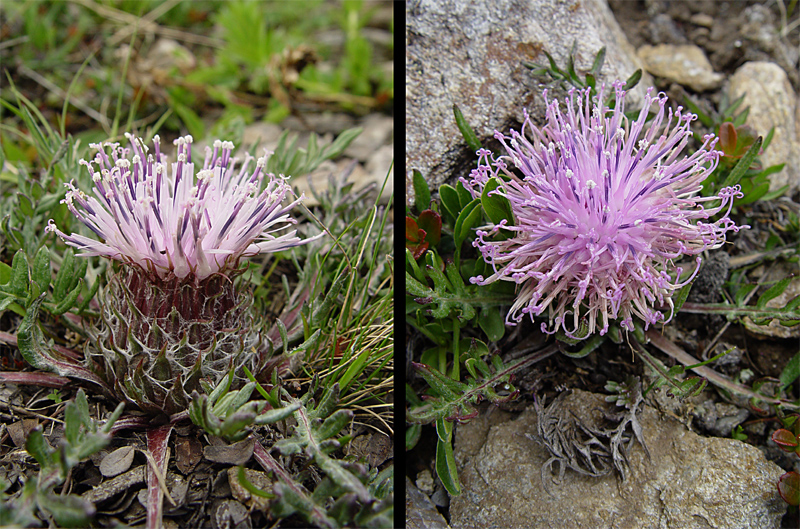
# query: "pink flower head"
(603, 209)
(174, 222)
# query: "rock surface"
(773, 103)
(684, 64)
(690, 482)
(471, 54)
(421, 513)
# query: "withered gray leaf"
(117, 462)
(230, 514)
(237, 453)
(188, 452)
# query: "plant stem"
(668, 347)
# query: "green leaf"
(413, 434)
(19, 275)
(773, 292)
(556, 72)
(334, 424)
(573, 77)
(491, 321)
(342, 141)
(5, 273)
(5, 301)
(730, 109)
(64, 277)
(68, 301)
(633, 80)
(680, 298)
(743, 292)
(69, 510)
(440, 383)
(588, 347)
(252, 489)
(277, 414)
(37, 447)
(72, 422)
(466, 131)
(422, 193)
(496, 206)
(466, 220)
(449, 197)
(25, 204)
(791, 372)
(41, 269)
(446, 466)
(464, 196)
(597, 65)
(192, 121)
(744, 164)
(704, 118)
(30, 339)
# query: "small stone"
(425, 482)
(728, 417)
(702, 19)
(377, 131)
(773, 103)
(684, 64)
(664, 29)
(421, 513)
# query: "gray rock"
(377, 132)
(690, 482)
(773, 103)
(421, 513)
(684, 64)
(471, 54)
(664, 29)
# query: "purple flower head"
(604, 208)
(174, 222)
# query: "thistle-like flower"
(172, 314)
(603, 209)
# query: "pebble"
(773, 103)
(684, 64)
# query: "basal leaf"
(773, 292)
(446, 467)
(466, 220)
(789, 488)
(422, 193)
(791, 372)
(466, 131)
(496, 206)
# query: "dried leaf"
(237, 453)
(20, 430)
(188, 452)
(117, 462)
